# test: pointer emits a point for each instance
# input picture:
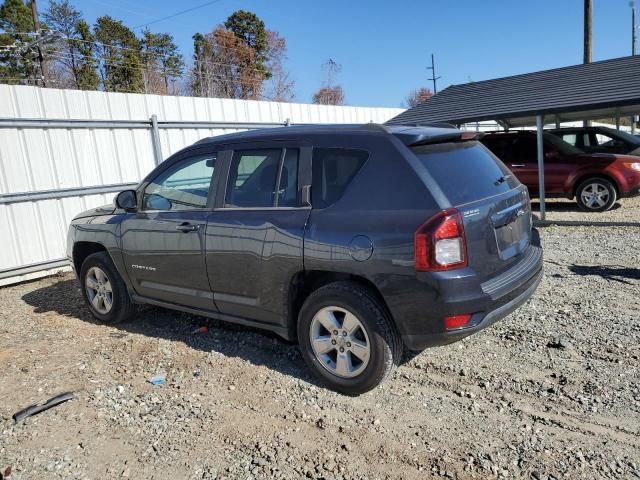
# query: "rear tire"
(347, 338)
(596, 194)
(104, 291)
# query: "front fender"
(103, 230)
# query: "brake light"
(440, 243)
(457, 321)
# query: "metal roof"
(580, 92)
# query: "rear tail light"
(457, 321)
(440, 243)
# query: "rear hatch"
(494, 205)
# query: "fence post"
(155, 138)
(540, 143)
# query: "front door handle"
(188, 227)
(518, 165)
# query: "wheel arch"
(585, 176)
(305, 282)
(82, 249)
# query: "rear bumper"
(498, 312)
(421, 323)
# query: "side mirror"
(127, 200)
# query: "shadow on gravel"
(552, 206)
(253, 345)
(613, 273)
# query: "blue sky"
(385, 46)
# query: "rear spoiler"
(415, 135)
(451, 136)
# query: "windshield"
(561, 145)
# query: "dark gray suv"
(356, 241)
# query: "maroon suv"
(595, 180)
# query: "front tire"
(104, 291)
(347, 338)
(596, 195)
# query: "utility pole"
(634, 29)
(36, 26)
(433, 74)
(588, 9)
(632, 4)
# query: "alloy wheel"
(595, 195)
(98, 290)
(340, 342)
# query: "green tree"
(118, 52)
(87, 77)
(18, 58)
(163, 63)
(73, 48)
(248, 27)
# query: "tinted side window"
(524, 149)
(604, 140)
(333, 170)
(252, 178)
(500, 146)
(570, 138)
(183, 186)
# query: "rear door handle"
(188, 227)
(517, 165)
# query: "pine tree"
(18, 61)
(248, 27)
(119, 56)
(163, 63)
(87, 77)
(72, 51)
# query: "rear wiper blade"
(502, 179)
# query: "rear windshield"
(465, 171)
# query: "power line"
(118, 47)
(177, 13)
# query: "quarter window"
(333, 171)
(603, 140)
(570, 138)
(183, 186)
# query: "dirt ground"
(553, 391)
(626, 210)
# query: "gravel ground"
(553, 391)
(625, 210)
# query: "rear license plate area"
(512, 238)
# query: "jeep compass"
(356, 241)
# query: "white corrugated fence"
(65, 151)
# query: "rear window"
(333, 170)
(465, 171)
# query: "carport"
(604, 89)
